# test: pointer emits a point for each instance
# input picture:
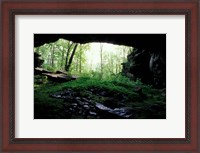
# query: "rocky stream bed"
(96, 103)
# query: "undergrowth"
(47, 107)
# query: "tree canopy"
(105, 59)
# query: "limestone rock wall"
(150, 67)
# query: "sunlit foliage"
(102, 58)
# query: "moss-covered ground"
(147, 102)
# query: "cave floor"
(89, 98)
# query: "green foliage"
(112, 61)
(79, 60)
(115, 85)
(39, 79)
(56, 56)
(111, 84)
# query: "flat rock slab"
(58, 76)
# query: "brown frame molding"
(189, 8)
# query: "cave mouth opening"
(82, 79)
(94, 58)
(147, 62)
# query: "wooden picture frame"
(47, 7)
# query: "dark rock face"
(137, 66)
(157, 67)
(37, 60)
(149, 67)
(150, 42)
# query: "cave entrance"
(94, 59)
(80, 78)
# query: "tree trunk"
(77, 66)
(116, 68)
(124, 54)
(111, 65)
(71, 58)
(101, 56)
(49, 60)
(62, 60)
(80, 59)
(67, 54)
(52, 55)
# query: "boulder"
(150, 67)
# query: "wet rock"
(79, 102)
(117, 112)
(71, 109)
(123, 112)
(85, 106)
(78, 98)
(102, 107)
(150, 67)
(77, 106)
(92, 113)
(80, 112)
(85, 99)
(74, 105)
(56, 96)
